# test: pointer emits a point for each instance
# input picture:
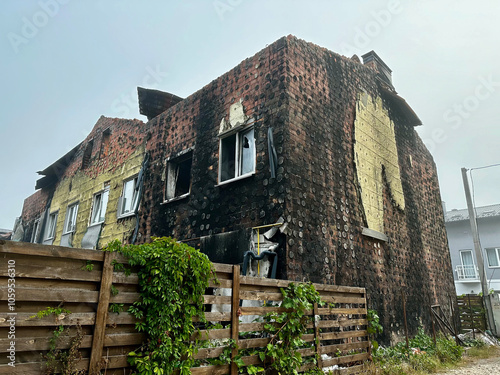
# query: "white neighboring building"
(463, 258)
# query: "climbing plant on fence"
(172, 280)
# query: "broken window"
(178, 181)
(493, 255)
(70, 221)
(87, 154)
(237, 155)
(129, 199)
(99, 206)
(50, 232)
(34, 233)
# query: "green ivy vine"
(172, 279)
(286, 330)
(374, 327)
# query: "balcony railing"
(467, 273)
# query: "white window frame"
(238, 133)
(36, 228)
(97, 204)
(71, 214)
(123, 200)
(171, 175)
(50, 231)
(497, 252)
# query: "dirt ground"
(473, 366)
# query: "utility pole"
(479, 255)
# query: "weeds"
(422, 357)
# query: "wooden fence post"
(101, 314)
(235, 319)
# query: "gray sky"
(64, 63)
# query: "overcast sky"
(64, 63)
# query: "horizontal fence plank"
(222, 300)
(215, 317)
(54, 273)
(212, 334)
(122, 278)
(340, 299)
(341, 323)
(66, 294)
(210, 370)
(225, 283)
(50, 251)
(357, 369)
(349, 346)
(346, 359)
(223, 268)
(125, 297)
(342, 335)
(336, 311)
(209, 352)
(26, 320)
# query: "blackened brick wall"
(194, 122)
(323, 204)
(308, 95)
(33, 209)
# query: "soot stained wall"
(308, 95)
(194, 123)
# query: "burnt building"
(321, 143)
(298, 154)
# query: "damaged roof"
(154, 102)
(481, 212)
(52, 172)
(397, 101)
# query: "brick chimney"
(374, 61)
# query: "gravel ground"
(488, 366)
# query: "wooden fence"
(85, 283)
(471, 312)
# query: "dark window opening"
(87, 154)
(228, 158)
(237, 155)
(178, 181)
(106, 136)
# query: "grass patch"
(423, 357)
(427, 358)
(483, 352)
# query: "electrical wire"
(487, 166)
